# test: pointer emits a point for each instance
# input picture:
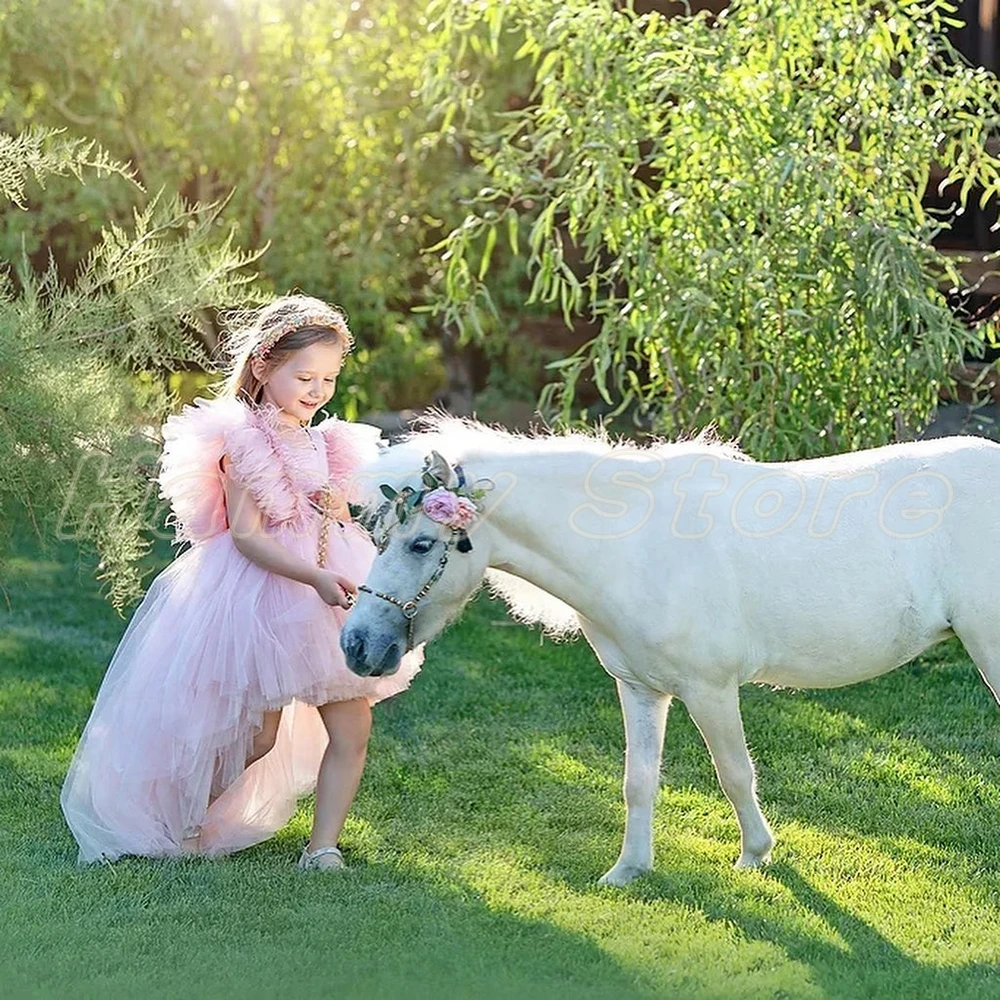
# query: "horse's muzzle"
(366, 658)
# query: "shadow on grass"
(867, 964)
(250, 925)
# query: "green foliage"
(41, 153)
(734, 200)
(79, 404)
(304, 115)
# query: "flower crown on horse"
(455, 506)
(445, 497)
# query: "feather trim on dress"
(191, 477)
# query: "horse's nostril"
(354, 650)
(390, 660)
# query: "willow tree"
(735, 201)
(78, 406)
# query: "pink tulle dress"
(218, 640)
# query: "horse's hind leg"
(645, 713)
(716, 713)
(983, 645)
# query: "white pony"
(692, 570)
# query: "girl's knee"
(350, 741)
(348, 725)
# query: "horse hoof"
(621, 875)
(747, 860)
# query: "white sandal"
(191, 840)
(323, 859)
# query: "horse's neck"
(528, 523)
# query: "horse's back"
(829, 571)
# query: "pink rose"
(448, 508)
(465, 513)
(440, 505)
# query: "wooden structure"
(973, 235)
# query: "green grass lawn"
(490, 806)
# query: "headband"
(330, 320)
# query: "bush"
(78, 402)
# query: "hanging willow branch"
(735, 201)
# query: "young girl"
(228, 696)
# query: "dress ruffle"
(190, 477)
(279, 477)
(279, 488)
(349, 447)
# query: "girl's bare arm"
(245, 526)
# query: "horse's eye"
(421, 545)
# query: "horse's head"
(425, 570)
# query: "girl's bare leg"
(348, 724)
(264, 741)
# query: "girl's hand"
(335, 589)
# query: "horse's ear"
(438, 466)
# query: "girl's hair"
(272, 333)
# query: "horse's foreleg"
(716, 713)
(645, 713)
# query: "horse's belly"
(846, 661)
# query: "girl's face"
(303, 382)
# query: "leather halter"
(409, 608)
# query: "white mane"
(462, 440)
